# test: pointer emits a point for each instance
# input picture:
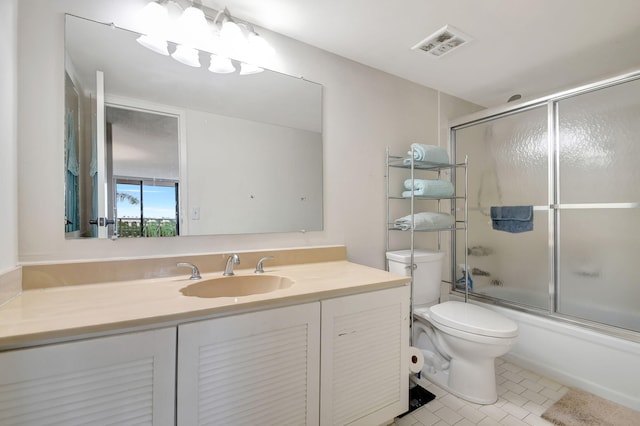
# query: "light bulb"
(260, 47)
(187, 55)
(247, 69)
(154, 19)
(158, 45)
(221, 65)
(231, 32)
(234, 44)
(192, 27)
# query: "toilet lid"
(473, 319)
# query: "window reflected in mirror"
(142, 152)
(146, 208)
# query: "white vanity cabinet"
(124, 379)
(342, 361)
(336, 361)
(365, 368)
(259, 368)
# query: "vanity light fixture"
(154, 18)
(229, 39)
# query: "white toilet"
(459, 341)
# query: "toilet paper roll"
(416, 359)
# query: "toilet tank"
(427, 272)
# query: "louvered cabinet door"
(364, 358)
(119, 380)
(258, 368)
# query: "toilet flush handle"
(408, 267)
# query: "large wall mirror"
(157, 148)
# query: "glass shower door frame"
(554, 205)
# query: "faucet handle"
(195, 272)
(259, 269)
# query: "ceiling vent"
(443, 41)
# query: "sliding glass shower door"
(574, 159)
(598, 198)
(508, 166)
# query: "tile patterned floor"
(522, 397)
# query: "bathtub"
(579, 309)
(576, 356)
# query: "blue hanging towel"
(514, 219)
(72, 211)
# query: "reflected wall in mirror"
(157, 148)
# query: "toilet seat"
(469, 318)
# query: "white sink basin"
(237, 285)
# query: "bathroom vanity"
(330, 349)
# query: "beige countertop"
(60, 313)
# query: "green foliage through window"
(130, 228)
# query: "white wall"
(364, 111)
(8, 135)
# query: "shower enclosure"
(573, 157)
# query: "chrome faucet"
(259, 269)
(195, 272)
(233, 259)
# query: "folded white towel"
(425, 221)
(430, 153)
(418, 164)
(428, 187)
